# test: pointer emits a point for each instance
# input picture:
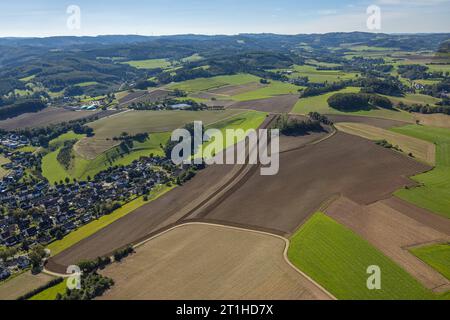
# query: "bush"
(92, 285)
(294, 127)
(120, 254)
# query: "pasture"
(318, 76)
(338, 259)
(415, 98)
(320, 104)
(433, 194)
(437, 256)
(241, 87)
(274, 88)
(149, 64)
(50, 293)
(205, 84)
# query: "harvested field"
(235, 90)
(46, 117)
(342, 164)
(147, 97)
(420, 149)
(392, 233)
(280, 104)
(376, 122)
(229, 264)
(22, 284)
(433, 120)
(131, 96)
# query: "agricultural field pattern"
(355, 206)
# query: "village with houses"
(35, 212)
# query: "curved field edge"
(195, 231)
(95, 226)
(434, 191)
(437, 256)
(337, 258)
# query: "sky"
(42, 18)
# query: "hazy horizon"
(46, 18)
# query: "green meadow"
(338, 259)
(319, 76)
(205, 84)
(149, 64)
(81, 168)
(245, 121)
(414, 98)
(437, 256)
(50, 293)
(275, 88)
(320, 104)
(87, 84)
(434, 192)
